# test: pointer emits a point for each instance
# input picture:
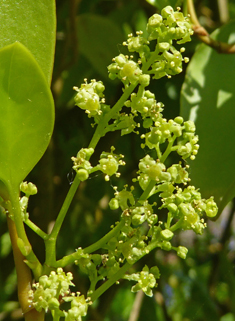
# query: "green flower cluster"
(108, 163)
(28, 189)
(140, 230)
(81, 163)
(146, 280)
(164, 60)
(90, 96)
(50, 291)
(154, 170)
(188, 207)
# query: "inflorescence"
(183, 203)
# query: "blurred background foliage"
(89, 34)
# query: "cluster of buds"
(184, 205)
(126, 69)
(90, 97)
(81, 163)
(50, 291)
(187, 144)
(144, 102)
(164, 60)
(122, 199)
(28, 189)
(146, 280)
(170, 25)
(109, 164)
(188, 208)
(164, 130)
(149, 169)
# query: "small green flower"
(154, 170)
(28, 188)
(146, 280)
(166, 235)
(90, 97)
(211, 207)
(81, 163)
(125, 69)
(182, 252)
(124, 198)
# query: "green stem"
(169, 219)
(177, 225)
(69, 259)
(16, 212)
(50, 242)
(115, 109)
(99, 244)
(119, 274)
(32, 260)
(149, 62)
(36, 229)
(104, 287)
(159, 153)
(147, 191)
(168, 150)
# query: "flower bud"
(166, 235)
(182, 252)
(211, 208)
(189, 126)
(82, 174)
(28, 188)
(173, 208)
(53, 304)
(144, 80)
(109, 165)
(166, 246)
(114, 204)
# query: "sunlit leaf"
(27, 114)
(208, 98)
(33, 24)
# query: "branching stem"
(202, 34)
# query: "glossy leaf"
(208, 98)
(34, 25)
(27, 114)
(98, 38)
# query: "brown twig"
(202, 34)
(24, 277)
(136, 306)
(223, 10)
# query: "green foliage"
(128, 205)
(208, 100)
(33, 26)
(27, 114)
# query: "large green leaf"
(208, 98)
(27, 114)
(33, 23)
